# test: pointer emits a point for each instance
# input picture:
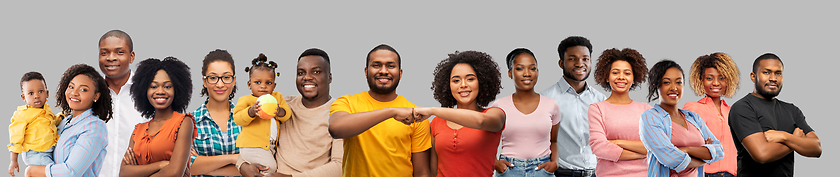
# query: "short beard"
(567, 73)
(767, 94)
(382, 90)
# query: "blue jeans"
(39, 158)
(720, 174)
(525, 167)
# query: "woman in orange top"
(160, 147)
(716, 75)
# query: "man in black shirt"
(768, 130)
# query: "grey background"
(50, 37)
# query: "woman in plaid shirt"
(214, 149)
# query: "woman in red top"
(465, 140)
(716, 75)
(161, 146)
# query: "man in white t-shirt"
(116, 53)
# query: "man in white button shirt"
(116, 53)
(573, 96)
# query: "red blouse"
(464, 151)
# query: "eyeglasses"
(227, 79)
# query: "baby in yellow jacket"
(33, 128)
(257, 140)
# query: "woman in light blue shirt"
(678, 142)
(82, 135)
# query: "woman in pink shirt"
(465, 140)
(528, 147)
(716, 75)
(614, 123)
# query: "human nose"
(716, 82)
(71, 92)
(219, 82)
(307, 77)
(159, 91)
(383, 70)
(578, 63)
(112, 56)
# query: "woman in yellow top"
(256, 141)
(33, 128)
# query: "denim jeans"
(39, 158)
(525, 167)
(720, 174)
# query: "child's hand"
(280, 112)
(252, 112)
(13, 168)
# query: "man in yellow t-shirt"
(374, 143)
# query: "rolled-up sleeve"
(652, 130)
(716, 148)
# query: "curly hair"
(656, 73)
(486, 70)
(261, 62)
(609, 56)
(513, 54)
(214, 56)
(32, 75)
(572, 41)
(101, 107)
(178, 72)
(720, 61)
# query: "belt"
(568, 172)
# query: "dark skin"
(313, 83)
(670, 93)
(114, 60)
(83, 89)
(714, 85)
(162, 88)
(620, 80)
(526, 100)
(464, 87)
(576, 66)
(772, 145)
(382, 71)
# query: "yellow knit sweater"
(256, 132)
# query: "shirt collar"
(565, 87)
(203, 113)
(708, 100)
(659, 109)
(84, 115)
